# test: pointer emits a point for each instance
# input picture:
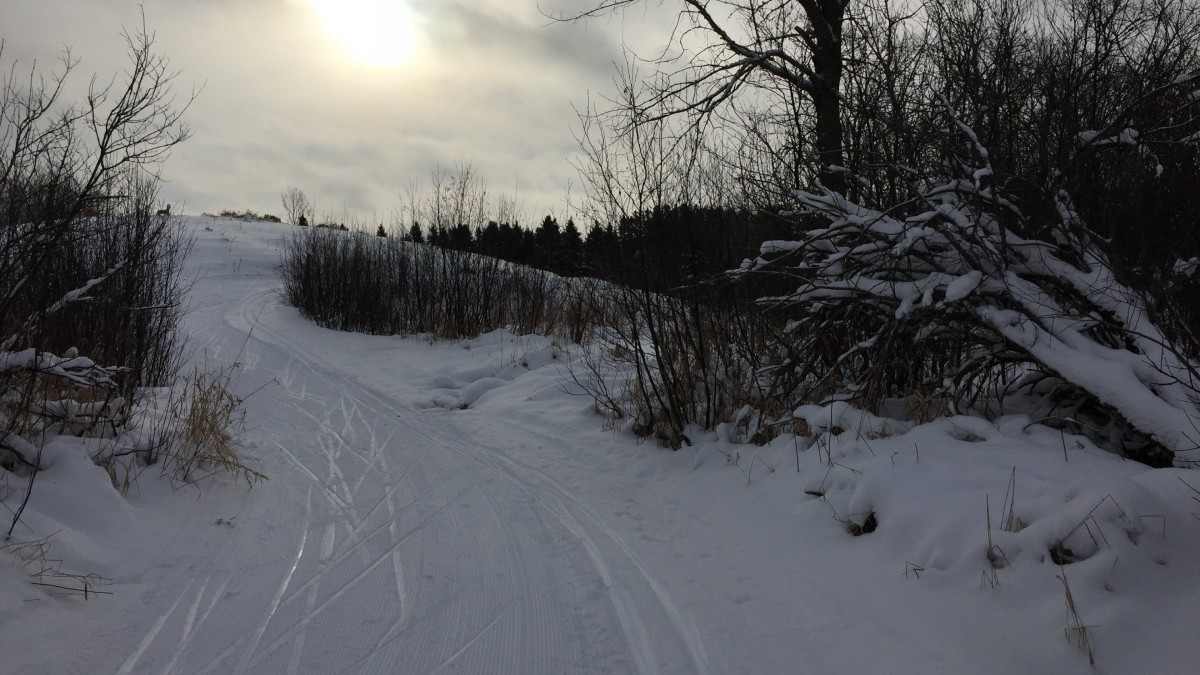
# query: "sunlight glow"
(373, 32)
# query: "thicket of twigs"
(1061, 183)
(959, 295)
(359, 282)
(91, 285)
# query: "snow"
(1126, 136)
(458, 506)
(1184, 78)
(963, 286)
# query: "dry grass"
(192, 434)
(59, 406)
(207, 442)
(38, 404)
(1076, 631)
(1062, 555)
(1011, 522)
(996, 556)
(34, 558)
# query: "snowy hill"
(459, 507)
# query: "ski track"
(148, 640)
(644, 650)
(192, 624)
(287, 579)
(415, 551)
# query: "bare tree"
(60, 163)
(85, 263)
(721, 50)
(455, 197)
(296, 207)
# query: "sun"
(373, 32)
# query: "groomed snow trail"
(386, 542)
(441, 507)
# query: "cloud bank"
(491, 82)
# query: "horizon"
(306, 93)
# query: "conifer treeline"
(660, 249)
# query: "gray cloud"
(492, 83)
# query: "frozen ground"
(457, 507)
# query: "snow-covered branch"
(953, 283)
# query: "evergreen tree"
(438, 236)
(571, 259)
(600, 250)
(460, 238)
(548, 243)
(487, 240)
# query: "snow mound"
(509, 357)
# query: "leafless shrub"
(78, 193)
(690, 358)
(91, 289)
(354, 281)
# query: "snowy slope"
(457, 507)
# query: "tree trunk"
(825, 18)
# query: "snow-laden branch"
(954, 280)
(73, 296)
(77, 369)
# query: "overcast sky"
(491, 82)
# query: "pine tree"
(548, 238)
(571, 259)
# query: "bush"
(683, 359)
(960, 295)
(385, 285)
(90, 269)
(189, 430)
(131, 316)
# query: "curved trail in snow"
(650, 623)
(451, 508)
(391, 541)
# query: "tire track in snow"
(298, 643)
(376, 459)
(344, 501)
(634, 629)
(529, 475)
(377, 456)
(356, 408)
(624, 602)
(329, 493)
(361, 542)
(685, 628)
(377, 449)
(333, 443)
(396, 630)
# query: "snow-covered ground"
(459, 507)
